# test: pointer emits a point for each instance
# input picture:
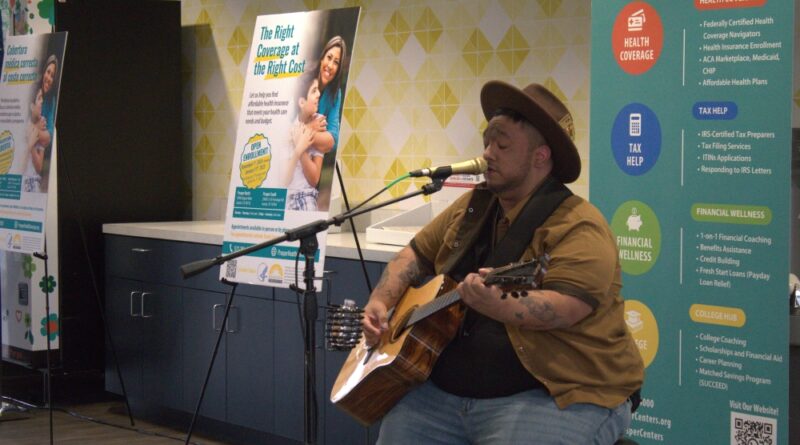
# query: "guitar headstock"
(517, 278)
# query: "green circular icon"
(638, 236)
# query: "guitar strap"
(481, 208)
(536, 211)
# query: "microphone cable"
(387, 187)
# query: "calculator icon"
(635, 124)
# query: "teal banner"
(690, 163)
(267, 203)
(10, 187)
(274, 252)
(25, 226)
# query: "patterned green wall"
(412, 97)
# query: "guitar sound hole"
(400, 326)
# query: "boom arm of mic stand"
(194, 268)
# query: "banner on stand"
(29, 85)
(29, 88)
(286, 140)
(691, 154)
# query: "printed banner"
(29, 85)
(286, 141)
(691, 135)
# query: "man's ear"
(542, 155)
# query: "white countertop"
(339, 245)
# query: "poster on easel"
(286, 140)
(691, 154)
(29, 85)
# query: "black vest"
(481, 362)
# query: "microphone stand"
(307, 235)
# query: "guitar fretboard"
(433, 306)
(497, 276)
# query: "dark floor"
(101, 423)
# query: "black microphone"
(472, 167)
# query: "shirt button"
(455, 244)
(470, 210)
(521, 349)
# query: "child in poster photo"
(39, 139)
(305, 163)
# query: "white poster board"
(286, 140)
(29, 85)
(29, 88)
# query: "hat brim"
(496, 94)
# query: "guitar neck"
(522, 274)
(442, 301)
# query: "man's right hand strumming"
(375, 322)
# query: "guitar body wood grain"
(371, 382)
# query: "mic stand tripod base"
(13, 412)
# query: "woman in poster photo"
(330, 72)
(48, 91)
(39, 134)
(330, 102)
(48, 112)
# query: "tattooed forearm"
(384, 278)
(412, 273)
(383, 288)
(401, 272)
(537, 313)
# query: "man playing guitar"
(553, 365)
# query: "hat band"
(568, 125)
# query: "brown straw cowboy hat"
(548, 114)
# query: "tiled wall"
(412, 97)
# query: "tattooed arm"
(540, 310)
(403, 271)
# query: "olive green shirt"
(596, 360)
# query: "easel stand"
(223, 328)
(307, 235)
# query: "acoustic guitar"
(372, 380)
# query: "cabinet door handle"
(214, 316)
(142, 312)
(140, 250)
(133, 295)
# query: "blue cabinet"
(202, 317)
(145, 325)
(164, 329)
(250, 363)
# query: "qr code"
(747, 429)
(230, 269)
